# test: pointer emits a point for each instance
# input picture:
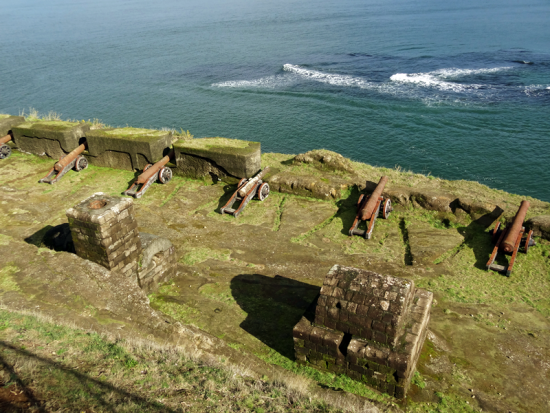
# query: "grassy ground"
(48, 367)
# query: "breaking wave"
(270, 82)
(330, 78)
(439, 79)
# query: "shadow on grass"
(479, 239)
(56, 238)
(84, 386)
(274, 306)
(228, 191)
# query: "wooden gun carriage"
(369, 208)
(5, 150)
(510, 239)
(72, 160)
(246, 190)
(150, 174)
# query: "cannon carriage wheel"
(360, 199)
(386, 208)
(263, 191)
(80, 163)
(529, 241)
(241, 182)
(165, 175)
(5, 151)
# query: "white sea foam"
(270, 82)
(330, 78)
(439, 79)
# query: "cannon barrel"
(244, 190)
(146, 175)
(511, 235)
(367, 211)
(5, 139)
(71, 156)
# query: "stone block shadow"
(274, 305)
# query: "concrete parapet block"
(198, 158)
(127, 148)
(368, 326)
(104, 231)
(54, 138)
(7, 122)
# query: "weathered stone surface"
(304, 185)
(484, 213)
(433, 201)
(428, 243)
(540, 225)
(420, 198)
(7, 122)
(104, 231)
(198, 158)
(367, 326)
(49, 137)
(326, 160)
(108, 147)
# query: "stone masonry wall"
(104, 230)
(384, 361)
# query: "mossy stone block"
(7, 122)
(236, 157)
(31, 136)
(142, 146)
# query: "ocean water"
(457, 90)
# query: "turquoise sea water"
(460, 90)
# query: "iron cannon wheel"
(147, 166)
(386, 208)
(241, 182)
(80, 164)
(263, 191)
(165, 175)
(5, 151)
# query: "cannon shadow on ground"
(273, 305)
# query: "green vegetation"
(208, 143)
(53, 367)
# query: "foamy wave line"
(269, 81)
(427, 80)
(332, 79)
(453, 72)
(437, 78)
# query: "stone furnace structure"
(368, 326)
(104, 230)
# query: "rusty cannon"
(5, 150)
(246, 190)
(150, 174)
(369, 208)
(73, 159)
(509, 240)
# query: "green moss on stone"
(218, 144)
(138, 134)
(4, 116)
(51, 125)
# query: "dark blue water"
(461, 90)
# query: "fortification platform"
(127, 148)
(198, 158)
(54, 138)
